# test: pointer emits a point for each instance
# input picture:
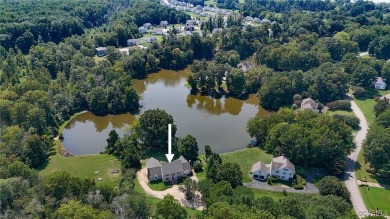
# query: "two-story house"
(280, 167)
(168, 172)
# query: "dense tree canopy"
(306, 138)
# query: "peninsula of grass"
(61, 128)
(376, 198)
(85, 167)
(246, 158)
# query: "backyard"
(85, 167)
(246, 158)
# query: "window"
(284, 173)
(282, 177)
(285, 169)
(290, 174)
(155, 177)
(256, 176)
(277, 171)
(178, 172)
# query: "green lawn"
(363, 171)
(274, 195)
(158, 185)
(341, 112)
(85, 167)
(376, 198)
(246, 158)
(367, 104)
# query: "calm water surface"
(220, 123)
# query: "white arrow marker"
(169, 155)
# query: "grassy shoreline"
(62, 126)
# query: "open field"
(85, 167)
(246, 158)
(376, 198)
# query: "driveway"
(174, 191)
(255, 184)
(349, 176)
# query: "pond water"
(220, 123)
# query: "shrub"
(298, 186)
(358, 92)
(273, 179)
(339, 105)
(269, 181)
(197, 166)
(351, 121)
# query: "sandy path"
(174, 190)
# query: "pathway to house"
(349, 176)
(255, 184)
(174, 190)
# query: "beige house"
(280, 167)
(309, 104)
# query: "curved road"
(349, 176)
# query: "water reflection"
(219, 122)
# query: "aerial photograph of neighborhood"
(194, 109)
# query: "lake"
(220, 123)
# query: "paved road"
(349, 176)
(309, 188)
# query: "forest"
(48, 72)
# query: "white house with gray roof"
(168, 172)
(280, 167)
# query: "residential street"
(349, 175)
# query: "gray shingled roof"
(155, 171)
(172, 167)
(152, 162)
(282, 162)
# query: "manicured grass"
(158, 185)
(367, 104)
(246, 158)
(363, 171)
(274, 195)
(376, 198)
(85, 167)
(341, 112)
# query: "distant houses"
(189, 28)
(101, 51)
(164, 24)
(191, 22)
(143, 29)
(151, 39)
(157, 31)
(168, 172)
(147, 25)
(386, 97)
(380, 84)
(309, 104)
(280, 167)
(245, 66)
(133, 42)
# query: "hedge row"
(351, 121)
